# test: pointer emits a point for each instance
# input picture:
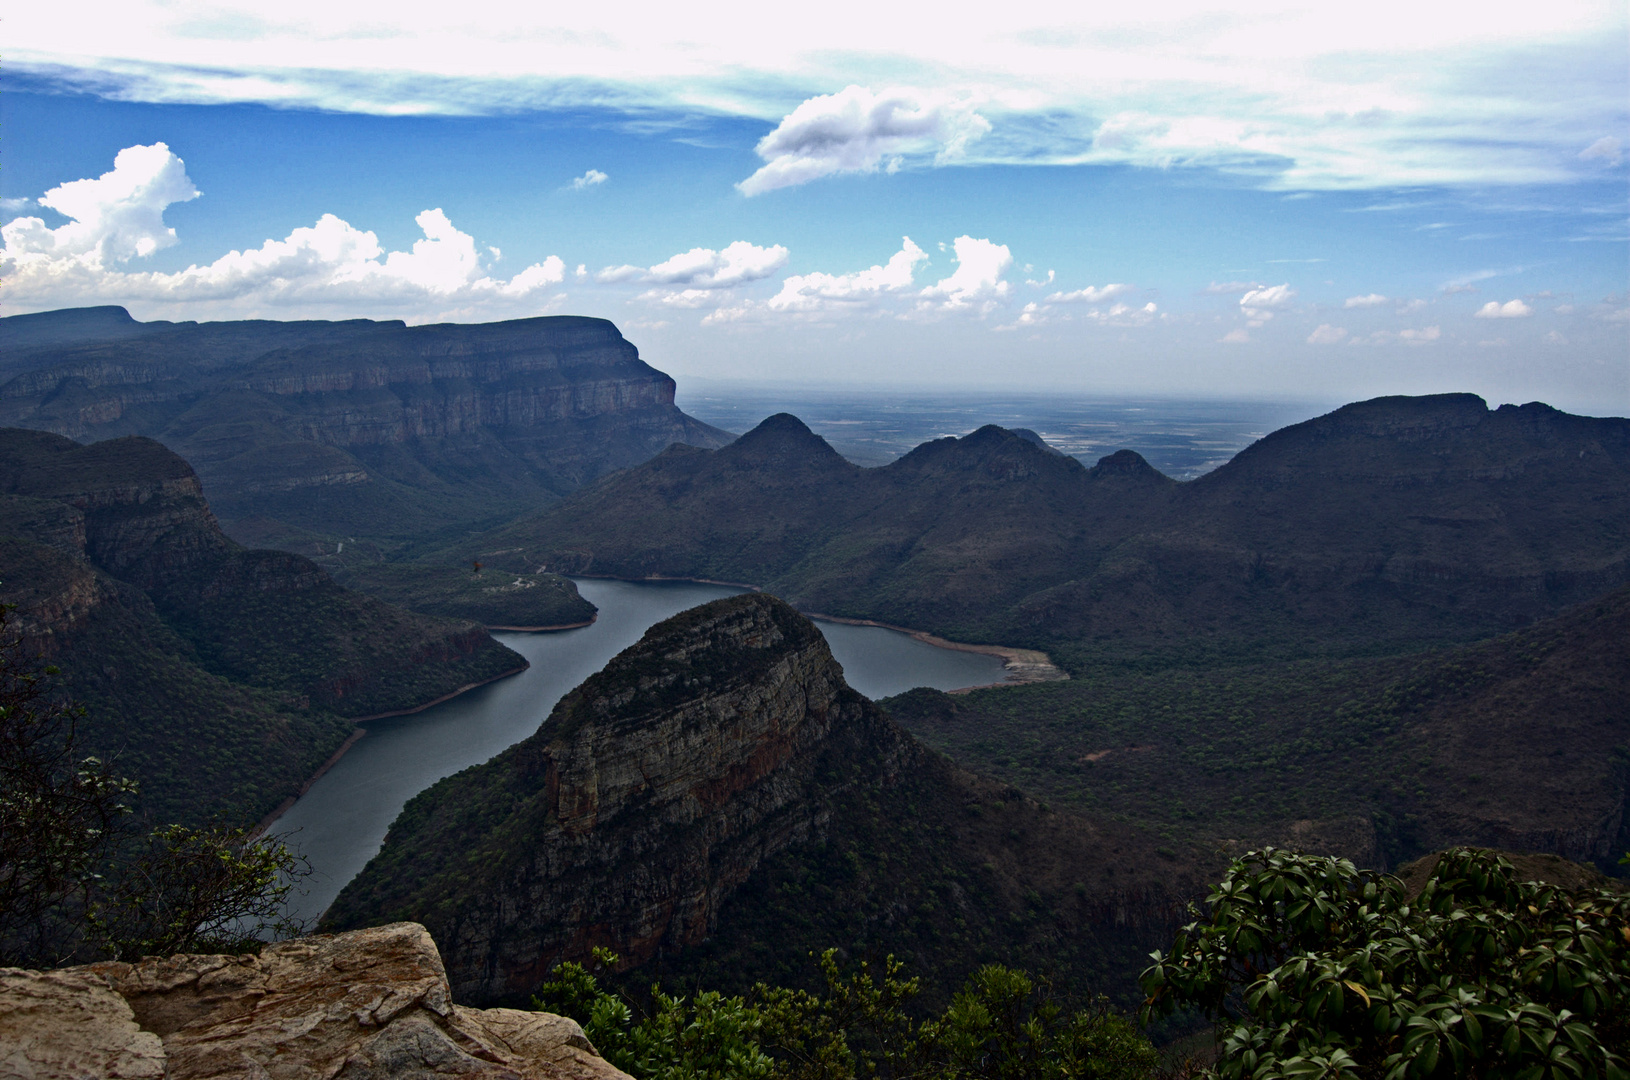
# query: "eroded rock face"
(372, 1003)
(651, 793)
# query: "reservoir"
(340, 823)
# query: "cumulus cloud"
(1228, 288)
(817, 291)
(704, 268)
(590, 179)
(1606, 150)
(118, 217)
(1258, 304)
(1372, 300)
(1408, 306)
(855, 129)
(1326, 334)
(1237, 337)
(1421, 336)
(977, 282)
(1511, 309)
(1089, 295)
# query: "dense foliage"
(491, 597)
(75, 883)
(1314, 968)
(1003, 1024)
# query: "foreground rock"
(373, 1003)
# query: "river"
(340, 823)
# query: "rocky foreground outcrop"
(719, 787)
(369, 1004)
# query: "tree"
(1312, 968)
(75, 883)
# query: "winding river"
(340, 823)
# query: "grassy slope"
(493, 597)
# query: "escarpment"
(216, 676)
(352, 428)
(722, 756)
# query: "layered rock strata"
(370, 1004)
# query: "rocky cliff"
(213, 674)
(370, 1004)
(723, 756)
(352, 428)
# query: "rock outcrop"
(353, 428)
(369, 1004)
(697, 763)
(185, 646)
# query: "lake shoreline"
(271, 819)
(1023, 665)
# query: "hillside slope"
(1387, 525)
(306, 431)
(716, 802)
(217, 677)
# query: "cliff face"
(374, 1003)
(441, 423)
(697, 763)
(200, 660)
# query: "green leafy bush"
(1003, 1025)
(1313, 968)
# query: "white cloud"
(1237, 337)
(1372, 300)
(1089, 295)
(855, 129)
(1420, 337)
(1275, 296)
(1226, 288)
(1606, 150)
(1258, 304)
(1304, 94)
(1407, 307)
(1556, 338)
(977, 281)
(1325, 334)
(115, 217)
(119, 217)
(590, 179)
(1511, 309)
(816, 291)
(704, 268)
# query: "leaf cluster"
(1004, 1024)
(1312, 968)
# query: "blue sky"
(1184, 199)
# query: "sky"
(1284, 199)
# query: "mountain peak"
(1126, 463)
(784, 441)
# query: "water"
(340, 823)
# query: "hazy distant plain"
(1181, 438)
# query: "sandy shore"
(1022, 665)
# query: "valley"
(1393, 628)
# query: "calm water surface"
(340, 823)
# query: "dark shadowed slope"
(1386, 525)
(214, 675)
(312, 430)
(717, 802)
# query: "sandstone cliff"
(724, 755)
(353, 428)
(370, 1004)
(213, 674)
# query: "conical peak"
(783, 439)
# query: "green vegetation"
(1383, 758)
(75, 883)
(1313, 969)
(1003, 1024)
(494, 598)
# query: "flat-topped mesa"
(651, 792)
